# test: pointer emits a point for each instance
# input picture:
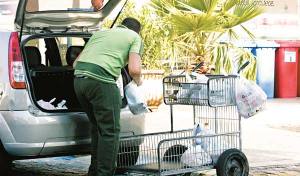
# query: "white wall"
(280, 21)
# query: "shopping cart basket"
(183, 152)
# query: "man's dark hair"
(132, 23)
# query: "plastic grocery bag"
(196, 90)
(200, 130)
(212, 144)
(250, 98)
(120, 85)
(195, 156)
(135, 99)
(47, 105)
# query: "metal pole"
(216, 120)
(172, 121)
(240, 128)
(194, 114)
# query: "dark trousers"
(101, 102)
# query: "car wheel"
(127, 156)
(232, 162)
(5, 161)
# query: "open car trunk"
(69, 16)
(54, 86)
(48, 63)
(58, 35)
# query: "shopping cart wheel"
(174, 153)
(232, 162)
(127, 156)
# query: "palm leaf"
(207, 6)
(249, 33)
(166, 5)
(246, 12)
(159, 6)
(184, 23)
(232, 34)
(190, 8)
(229, 4)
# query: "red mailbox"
(286, 69)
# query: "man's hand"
(138, 82)
(97, 4)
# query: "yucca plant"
(205, 29)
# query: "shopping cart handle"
(198, 66)
(243, 66)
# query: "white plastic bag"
(197, 90)
(200, 130)
(120, 85)
(195, 156)
(47, 105)
(62, 105)
(250, 98)
(214, 146)
(135, 99)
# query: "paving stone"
(78, 166)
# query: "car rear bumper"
(52, 148)
(25, 135)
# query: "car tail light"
(15, 63)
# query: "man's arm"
(135, 68)
(75, 62)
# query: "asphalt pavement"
(271, 142)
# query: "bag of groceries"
(250, 98)
(135, 99)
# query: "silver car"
(39, 113)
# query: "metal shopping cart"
(182, 152)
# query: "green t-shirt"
(109, 50)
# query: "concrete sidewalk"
(272, 137)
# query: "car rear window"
(49, 5)
(7, 13)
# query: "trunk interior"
(48, 64)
